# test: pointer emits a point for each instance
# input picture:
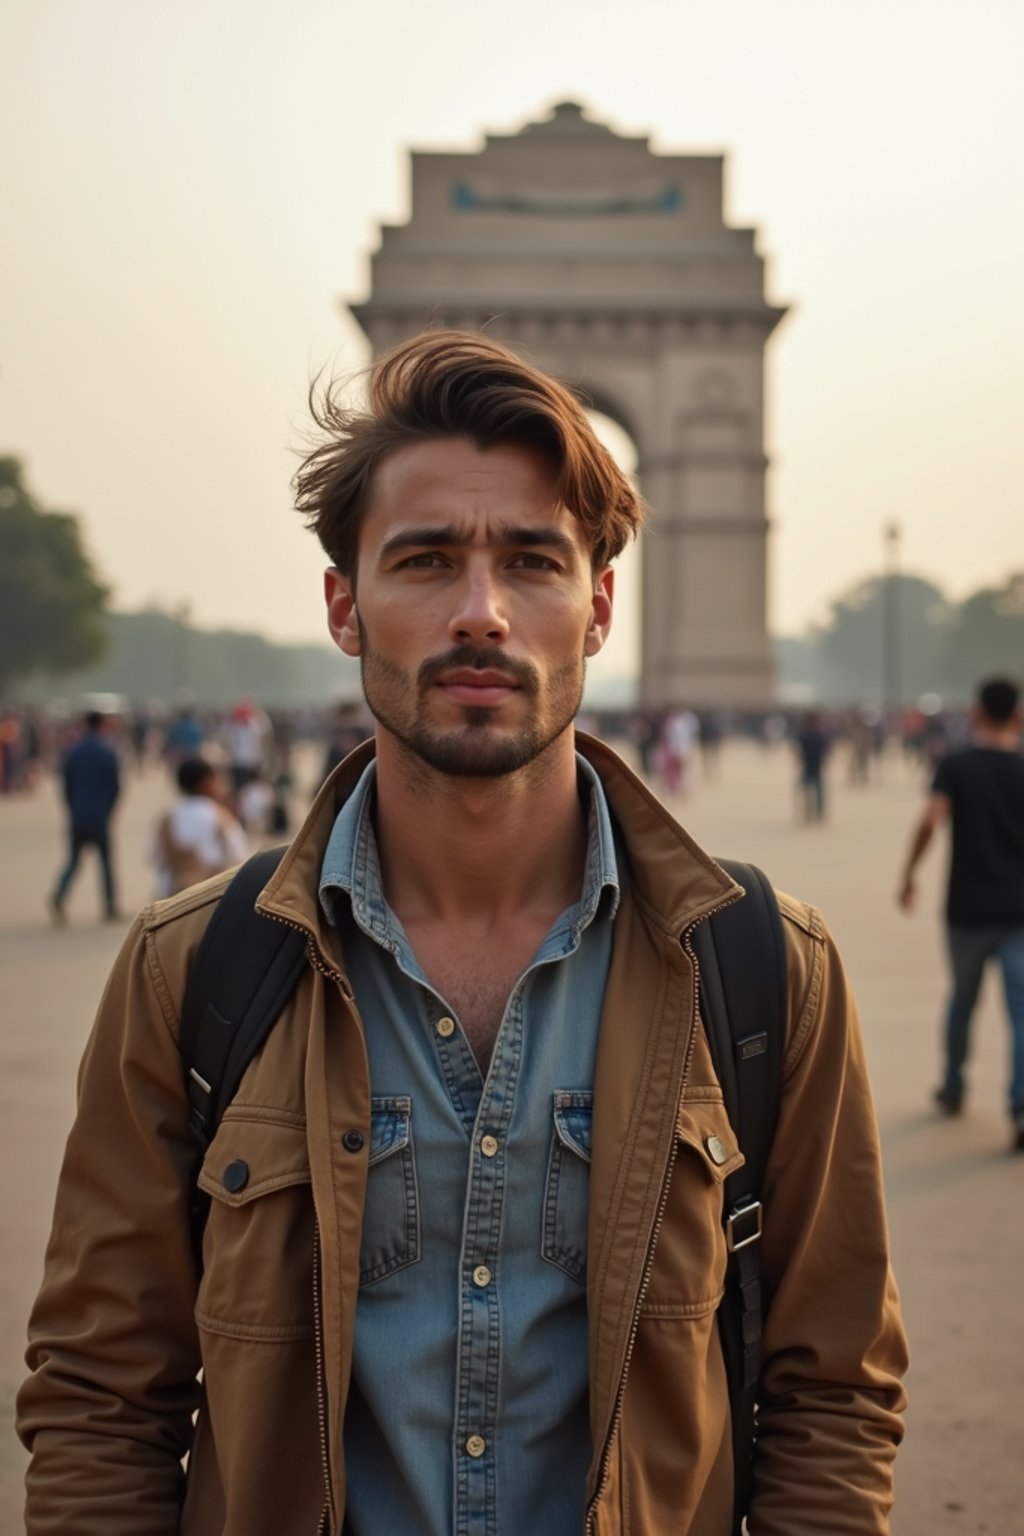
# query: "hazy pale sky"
(191, 189)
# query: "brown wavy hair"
(466, 385)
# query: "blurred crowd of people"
(233, 777)
(672, 747)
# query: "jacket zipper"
(315, 958)
(327, 1513)
(645, 1278)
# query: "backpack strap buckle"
(744, 1224)
(200, 1095)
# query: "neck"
(1005, 737)
(479, 850)
(998, 736)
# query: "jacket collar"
(675, 881)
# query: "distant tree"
(154, 655)
(851, 640)
(51, 601)
(986, 636)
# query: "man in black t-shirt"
(980, 790)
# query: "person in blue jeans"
(980, 792)
(92, 783)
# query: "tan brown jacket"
(120, 1330)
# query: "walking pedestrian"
(247, 738)
(679, 733)
(92, 783)
(980, 791)
(812, 748)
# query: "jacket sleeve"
(107, 1411)
(830, 1398)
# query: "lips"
(471, 677)
(467, 685)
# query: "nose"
(479, 613)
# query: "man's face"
(476, 605)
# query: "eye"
(529, 561)
(428, 560)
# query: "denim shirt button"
(488, 1145)
(482, 1275)
(445, 1027)
(475, 1446)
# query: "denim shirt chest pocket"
(567, 1189)
(391, 1218)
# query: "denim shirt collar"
(351, 864)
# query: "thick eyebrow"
(447, 536)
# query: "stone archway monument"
(612, 267)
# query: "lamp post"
(892, 684)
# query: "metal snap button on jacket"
(717, 1150)
(353, 1141)
(235, 1176)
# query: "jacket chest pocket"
(391, 1216)
(258, 1242)
(567, 1189)
(690, 1259)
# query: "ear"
(341, 611)
(600, 612)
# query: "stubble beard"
(476, 749)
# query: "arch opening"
(613, 675)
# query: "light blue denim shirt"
(468, 1407)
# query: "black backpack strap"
(742, 959)
(244, 970)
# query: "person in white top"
(246, 737)
(198, 836)
(679, 734)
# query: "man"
(92, 782)
(199, 836)
(812, 747)
(980, 790)
(465, 1246)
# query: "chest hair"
(479, 1000)
(476, 983)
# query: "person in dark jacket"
(812, 745)
(92, 783)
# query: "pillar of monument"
(612, 267)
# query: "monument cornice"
(562, 320)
